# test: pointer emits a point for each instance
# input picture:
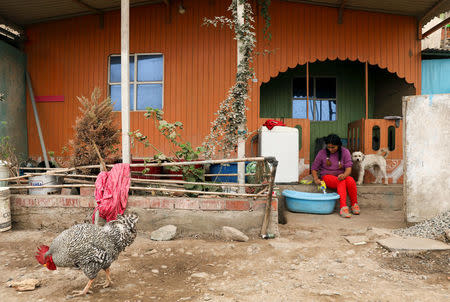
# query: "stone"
(201, 275)
(356, 240)
(394, 244)
(164, 233)
(24, 285)
(231, 233)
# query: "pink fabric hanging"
(111, 192)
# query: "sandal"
(345, 213)
(355, 209)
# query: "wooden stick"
(274, 163)
(53, 186)
(157, 181)
(192, 191)
(186, 163)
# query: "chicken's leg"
(83, 292)
(108, 280)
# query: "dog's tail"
(383, 150)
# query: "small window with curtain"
(146, 81)
(321, 105)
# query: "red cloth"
(111, 192)
(342, 186)
(272, 123)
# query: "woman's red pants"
(342, 186)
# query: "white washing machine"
(282, 143)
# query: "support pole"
(125, 78)
(367, 89)
(307, 90)
(241, 128)
(38, 124)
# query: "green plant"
(182, 151)
(96, 134)
(230, 124)
(8, 156)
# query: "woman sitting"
(334, 165)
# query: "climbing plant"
(264, 9)
(225, 132)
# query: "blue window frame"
(146, 81)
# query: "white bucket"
(43, 180)
(4, 173)
(5, 210)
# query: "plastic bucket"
(4, 173)
(230, 168)
(5, 210)
(43, 180)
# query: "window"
(375, 138)
(391, 138)
(146, 81)
(322, 99)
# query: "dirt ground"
(310, 262)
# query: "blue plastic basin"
(315, 203)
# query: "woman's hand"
(317, 181)
(341, 177)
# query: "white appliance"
(282, 143)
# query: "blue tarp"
(436, 76)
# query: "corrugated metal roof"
(435, 53)
(26, 12)
(416, 8)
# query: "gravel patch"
(433, 228)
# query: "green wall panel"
(13, 109)
(276, 95)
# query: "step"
(369, 195)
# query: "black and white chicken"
(90, 248)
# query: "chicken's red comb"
(40, 254)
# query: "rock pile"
(433, 228)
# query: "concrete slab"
(412, 244)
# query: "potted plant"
(9, 163)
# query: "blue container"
(315, 203)
(230, 168)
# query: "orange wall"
(69, 58)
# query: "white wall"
(433, 40)
(426, 154)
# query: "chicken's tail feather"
(40, 254)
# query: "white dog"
(375, 161)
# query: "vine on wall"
(225, 133)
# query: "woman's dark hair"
(334, 139)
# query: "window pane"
(311, 110)
(116, 99)
(325, 110)
(115, 75)
(149, 95)
(325, 87)
(299, 88)
(150, 68)
(299, 108)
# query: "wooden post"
(241, 128)
(307, 90)
(265, 224)
(367, 89)
(125, 81)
